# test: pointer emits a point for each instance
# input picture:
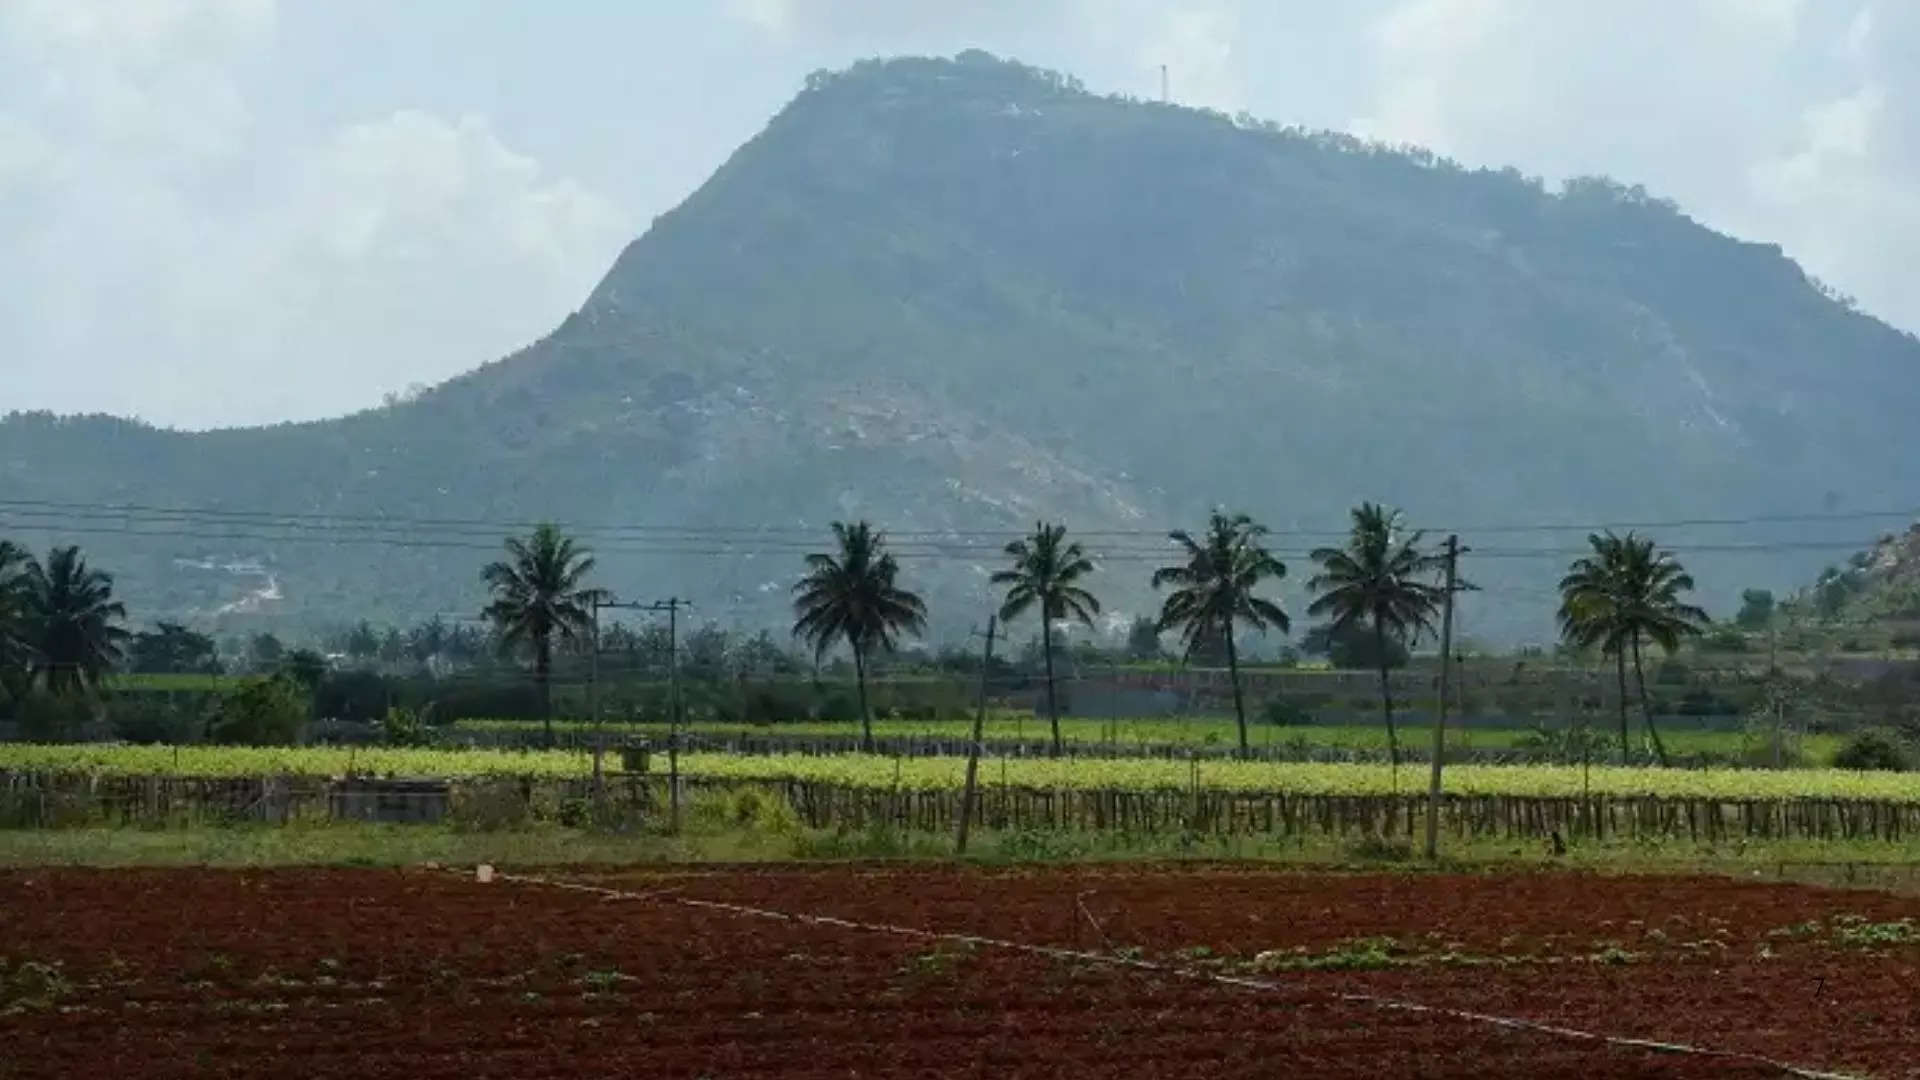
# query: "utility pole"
(973, 748)
(593, 699)
(1774, 685)
(671, 605)
(1440, 721)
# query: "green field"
(183, 682)
(1211, 731)
(708, 838)
(938, 773)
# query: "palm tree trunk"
(1233, 675)
(1386, 700)
(1626, 745)
(543, 681)
(1053, 706)
(1646, 706)
(860, 680)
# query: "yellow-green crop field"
(110, 759)
(946, 773)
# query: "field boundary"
(1377, 1001)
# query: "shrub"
(1284, 713)
(837, 708)
(46, 718)
(1874, 748)
(1726, 639)
(517, 701)
(143, 719)
(763, 809)
(268, 712)
(1373, 847)
(776, 703)
(403, 727)
(359, 697)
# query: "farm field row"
(425, 974)
(945, 773)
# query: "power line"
(290, 519)
(916, 551)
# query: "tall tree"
(1378, 580)
(1623, 592)
(851, 596)
(427, 640)
(1046, 571)
(171, 647)
(13, 646)
(538, 594)
(1756, 609)
(71, 622)
(1143, 639)
(264, 652)
(1214, 588)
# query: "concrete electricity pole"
(1440, 720)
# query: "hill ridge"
(955, 294)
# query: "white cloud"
(1771, 119)
(769, 16)
(225, 274)
(194, 191)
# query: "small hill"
(954, 295)
(1878, 587)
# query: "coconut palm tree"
(1214, 588)
(1592, 613)
(1378, 580)
(1624, 591)
(1654, 581)
(1045, 570)
(851, 596)
(69, 620)
(537, 594)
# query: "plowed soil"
(423, 973)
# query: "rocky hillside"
(954, 295)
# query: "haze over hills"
(952, 296)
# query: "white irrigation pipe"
(1375, 1000)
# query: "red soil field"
(422, 974)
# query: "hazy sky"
(234, 211)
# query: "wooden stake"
(973, 748)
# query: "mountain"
(956, 295)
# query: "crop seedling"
(31, 985)
(1857, 932)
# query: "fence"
(40, 799)
(32, 799)
(1508, 817)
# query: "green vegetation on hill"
(956, 295)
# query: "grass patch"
(724, 839)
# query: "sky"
(219, 212)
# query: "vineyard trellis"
(52, 799)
